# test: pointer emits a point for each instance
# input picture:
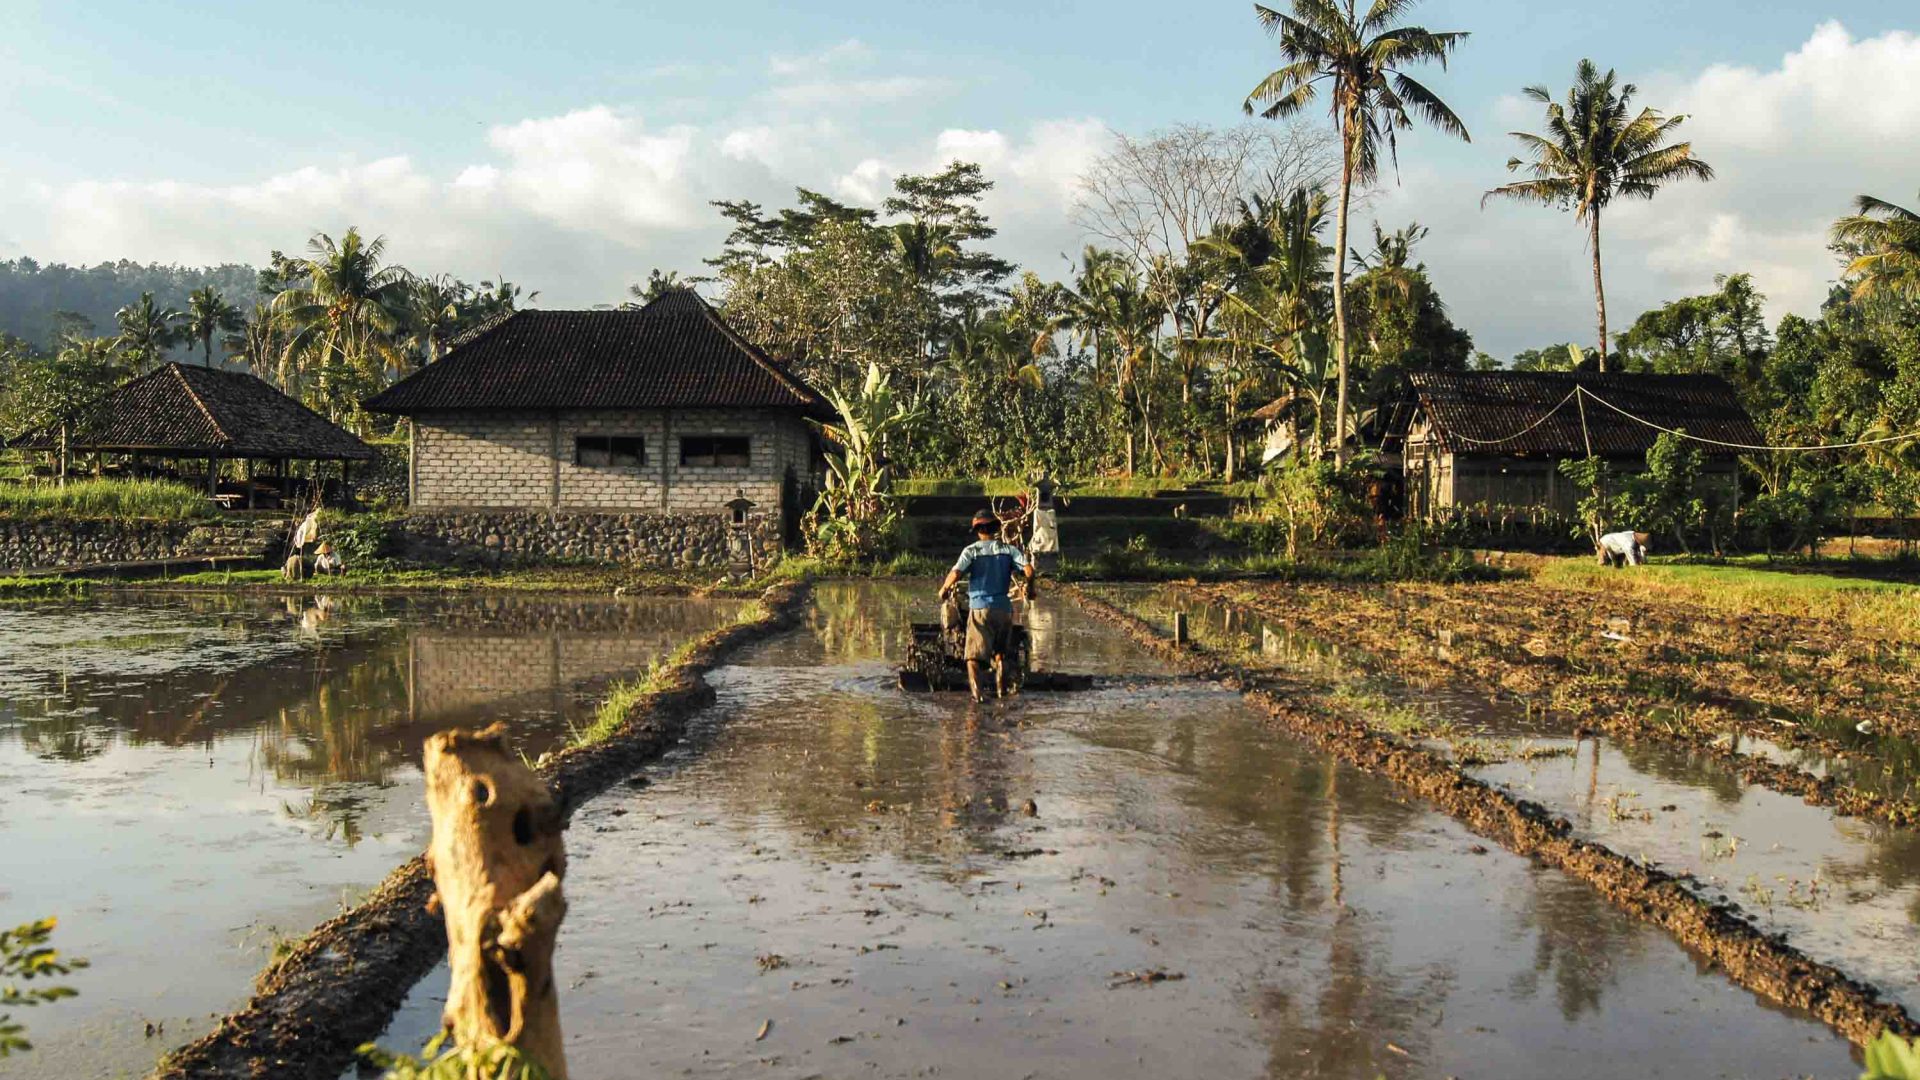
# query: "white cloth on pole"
(308, 532)
(1046, 534)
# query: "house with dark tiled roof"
(1491, 442)
(664, 410)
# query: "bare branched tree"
(1153, 197)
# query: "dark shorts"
(989, 633)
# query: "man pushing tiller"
(988, 564)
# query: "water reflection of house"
(539, 656)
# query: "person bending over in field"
(988, 565)
(1623, 548)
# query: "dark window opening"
(610, 451)
(716, 451)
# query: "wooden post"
(1180, 628)
(346, 484)
(497, 859)
(248, 470)
(213, 475)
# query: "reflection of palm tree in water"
(1581, 941)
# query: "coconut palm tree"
(434, 313)
(348, 307)
(1359, 56)
(1596, 149)
(1884, 242)
(147, 331)
(209, 313)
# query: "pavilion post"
(346, 484)
(213, 475)
(247, 471)
(286, 487)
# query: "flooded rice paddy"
(187, 780)
(831, 878)
(1843, 890)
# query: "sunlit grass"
(106, 499)
(1882, 608)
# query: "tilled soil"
(1646, 670)
(1764, 964)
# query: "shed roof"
(188, 411)
(1501, 412)
(673, 353)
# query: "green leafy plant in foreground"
(439, 1062)
(1891, 1057)
(26, 955)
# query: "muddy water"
(184, 780)
(831, 878)
(1844, 891)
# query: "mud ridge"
(1764, 964)
(340, 985)
(1619, 719)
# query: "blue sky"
(573, 146)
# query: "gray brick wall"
(526, 461)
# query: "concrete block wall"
(526, 461)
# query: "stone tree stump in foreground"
(497, 860)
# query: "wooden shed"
(1491, 442)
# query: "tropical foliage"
(1358, 58)
(1597, 149)
(26, 954)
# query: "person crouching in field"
(988, 565)
(1623, 548)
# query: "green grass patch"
(1885, 608)
(104, 499)
(52, 587)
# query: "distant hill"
(30, 292)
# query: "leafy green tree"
(1398, 313)
(26, 955)
(346, 308)
(1562, 357)
(1883, 243)
(1596, 150)
(1359, 57)
(147, 331)
(1722, 333)
(437, 309)
(659, 283)
(209, 313)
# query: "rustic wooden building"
(1491, 442)
(664, 410)
(179, 412)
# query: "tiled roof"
(1472, 409)
(194, 411)
(673, 353)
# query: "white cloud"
(858, 92)
(576, 205)
(1792, 144)
(810, 64)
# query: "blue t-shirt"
(989, 566)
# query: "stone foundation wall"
(51, 544)
(523, 538)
